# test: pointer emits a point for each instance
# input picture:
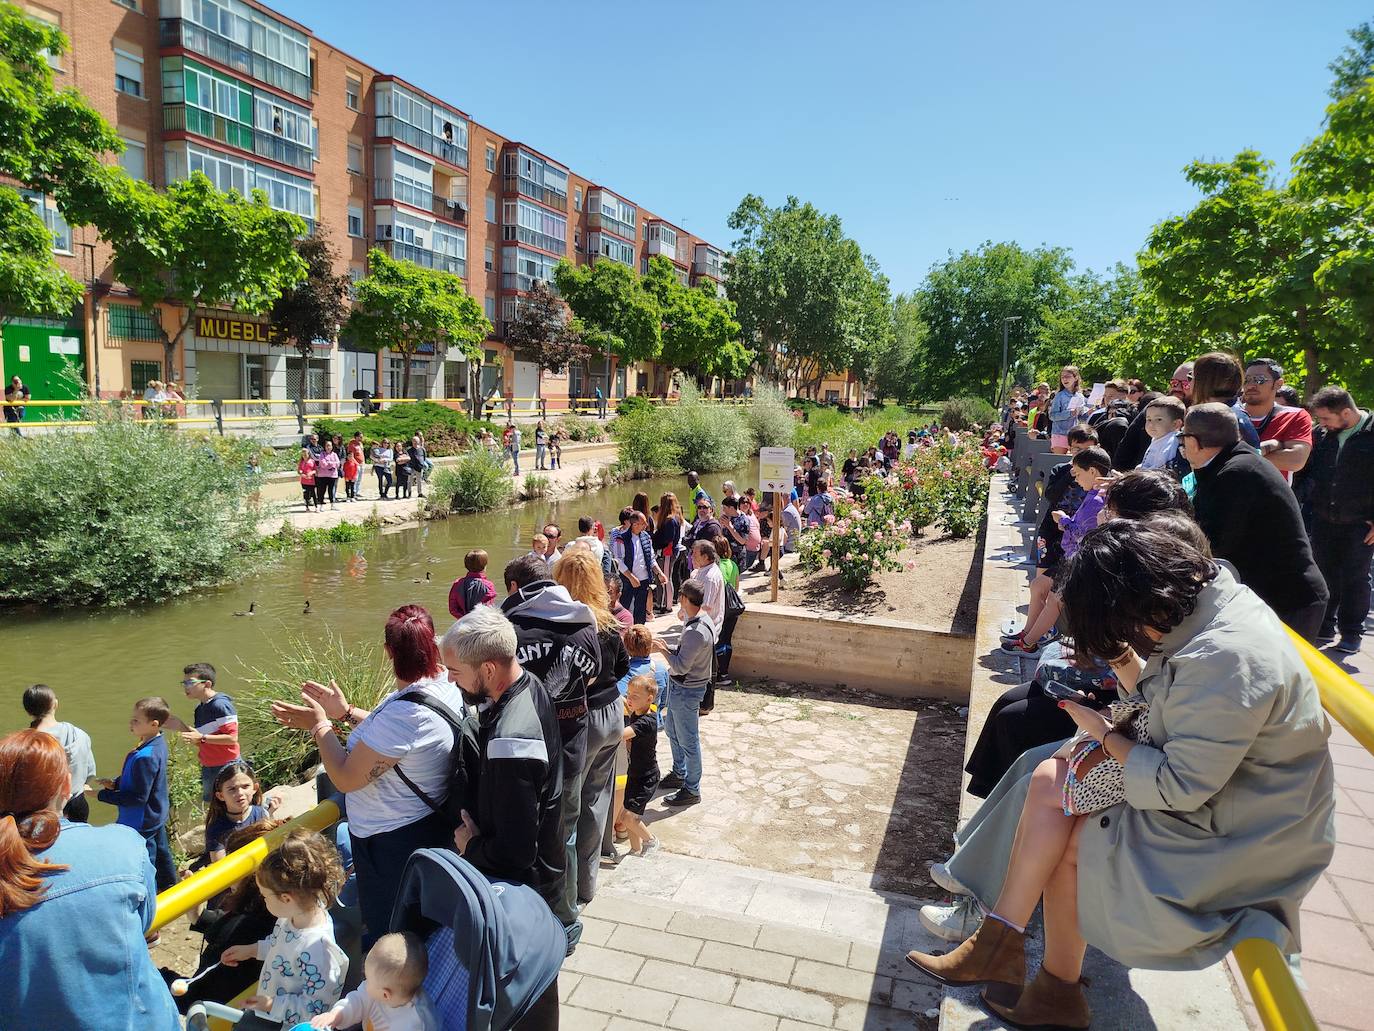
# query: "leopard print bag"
(1103, 786)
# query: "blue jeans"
(540, 451)
(379, 860)
(160, 855)
(684, 712)
(207, 780)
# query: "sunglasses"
(1180, 382)
(193, 683)
(1258, 381)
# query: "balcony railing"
(543, 194)
(453, 210)
(184, 118)
(427, 258)
(446, 150)
(287, 152)
(523, 283)
(177, 32)
(603, 221)
(535, 238)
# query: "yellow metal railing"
(1275, 993)
(203, 885)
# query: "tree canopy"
(699, 331)
(51, 141)
(617, 312)
(401, 306)
(545, 332)
(317, 306)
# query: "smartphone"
(1055, 689)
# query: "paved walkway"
(285, 494)
(1337, 916)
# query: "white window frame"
(353, 92)
(136, 59)
(131, 146)
(491, 158)
(352, 147)
(46, 209)
(355, 215)
(491, 207)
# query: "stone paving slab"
(745, 957)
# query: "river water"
(100, 661)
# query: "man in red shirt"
(1285, 433)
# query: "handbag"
(1104, 785)
(734, 604)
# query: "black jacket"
(1251, 519)
(551, 627)
(1057, 487)
(519, 789)
(615, 663)
(1131, 448)
(1341, 484)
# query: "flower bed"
(945, 484)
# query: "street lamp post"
(1002, 380)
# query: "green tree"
(1081, 328)
(1353, 68)
(194, 247)
(401, 307)
(52, 141)
(699, 331)
(891, 358)
(619, 316)
(806, 296)
(545, 332)
(963, 301)
(316, 307)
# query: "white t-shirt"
(358, 1007)
(422, 741)
(594, 542)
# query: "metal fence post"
(218, 408)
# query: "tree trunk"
(1311, 355)
(405, 374)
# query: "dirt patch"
(941, 593)
(841, 786)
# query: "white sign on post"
(775, 468)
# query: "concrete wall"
(902, 660)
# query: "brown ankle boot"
(995, 953)
(1046, 1004)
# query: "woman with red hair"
(395, 768)
(75, 903)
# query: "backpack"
(464, 760)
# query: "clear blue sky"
(927, 125)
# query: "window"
(643, 266)
(577, 238)
(577, 198)
(419, 122)
(355, 273)
(353, 91)
(535, 225)
(141, 374)
(54, 60)
(617, 250)
(355, 221)
(355, 157)
(46, 209)
(491, 158)
(128, 71)
(491, 207)
(134, 160)
(489, 258)
(489, 306)
(129, 322)
(130, 4)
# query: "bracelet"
(326, 725)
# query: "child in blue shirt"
(141, 790)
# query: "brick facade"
(97, 27)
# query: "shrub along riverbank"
(698, 434)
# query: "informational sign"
(775, 468)
(64, 345)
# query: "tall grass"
(477, 482)
(846, 431)
(284, 756)
(696, 434)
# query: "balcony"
(662, 248)
(516, 184)
(287, 152)
(435, 146)
(404, 192)
(426, 258)
(184, 118)
(523, 283)
(535, 239)
(600, 220)
(177, 32)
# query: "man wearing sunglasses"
(1285, 433)
(1135, 441)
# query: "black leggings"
(383, 479)
(1023, 718)
(324, 488)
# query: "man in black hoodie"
(1251, 518)
(550, 628)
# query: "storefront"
(231, 356)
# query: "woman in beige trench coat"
(1229, 812)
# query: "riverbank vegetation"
(122, 512)
(477, 482)
(699, 434)
(447, 432)
(849, 430)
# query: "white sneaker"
(953, 923)
(939, 873)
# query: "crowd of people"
(1162, 786)
(401, 467)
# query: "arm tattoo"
(377, 770)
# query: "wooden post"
(777, 529)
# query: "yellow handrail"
(203, 885)
(1277, 998)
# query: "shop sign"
(233, 327)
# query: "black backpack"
(464, 760)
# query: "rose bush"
(945, 484)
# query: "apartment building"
(255, 100)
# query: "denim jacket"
(1062, 417)
(77, 958)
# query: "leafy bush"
(846, 431)
(858, 542)
(583, 431)
(645, 446)
(535, 486)
(708, 436)
(126, 512)
(962, 413)
(770, 421)
(284, 756)
(447, 432)
(633, 403)
(289, 537)
(475, 483)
